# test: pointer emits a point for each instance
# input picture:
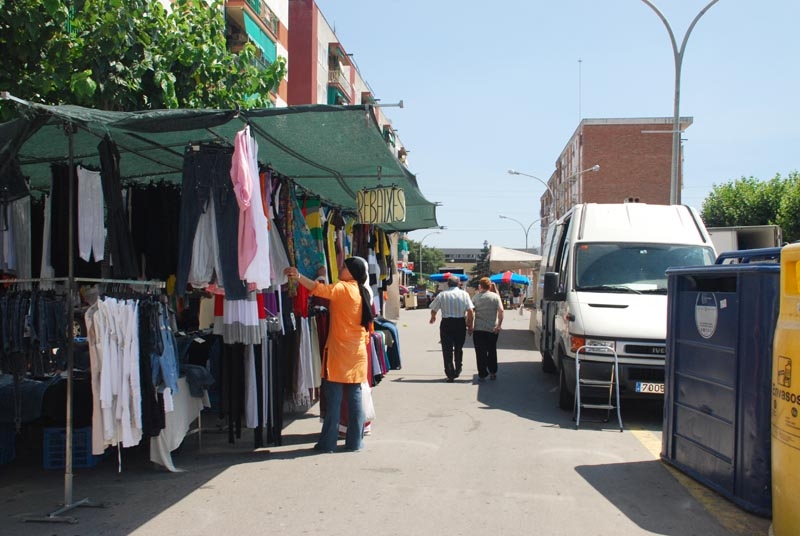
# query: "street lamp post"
(674, 188)
(595, 167)
(525, 229)
(420, 251)
(515, 172)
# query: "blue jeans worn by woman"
(333, 392)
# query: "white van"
(602, 282)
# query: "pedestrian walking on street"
(515, 293)
(457, 313)
(344, 360)
(486, 328)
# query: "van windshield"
(637, 268)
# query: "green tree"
(749, 201)
(789, 209)
(481, 268)
(744, 201)
(128, 55)
(432, 258)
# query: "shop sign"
(381, 205)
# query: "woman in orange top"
(344, 360)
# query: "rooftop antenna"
(580, 116)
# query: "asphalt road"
(444, 459)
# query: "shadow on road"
(638, 490)
(515, 339)
(523, 388)
(647, 494)
(127, 491)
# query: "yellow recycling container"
(786, 400)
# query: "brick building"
(634, 156)
(323, 72)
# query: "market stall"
(315, 157)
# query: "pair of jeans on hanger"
(207, 175)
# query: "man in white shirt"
(457, 313)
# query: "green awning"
(331, 151)
(261, 39)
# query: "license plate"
(654, 388)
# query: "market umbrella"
(447, 275)
(510, 277)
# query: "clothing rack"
(57, 517)
(68, 503)
(34, 280)
(140, 282)
(70, 129)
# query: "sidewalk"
(496, 457)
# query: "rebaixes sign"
(381, 205)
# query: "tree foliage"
(481, 268)
(432, 258)
(749, 201)
(788, 217)
(129, 55)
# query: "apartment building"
(634, 156)
(321, 71)
(266, 24)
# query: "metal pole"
(553, 213)
(70, 329)
(524, 229)
(515, 172)
(420, 251)
(56, 517)
(674, 186)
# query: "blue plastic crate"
(8, 441)
(54, 448)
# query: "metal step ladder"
(609, 387)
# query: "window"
(637, 267)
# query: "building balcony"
(258, 10)
(341, 81)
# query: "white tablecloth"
(187, 409)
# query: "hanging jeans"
(51, 321)
(207, 174)
(165, 364)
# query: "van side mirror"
(551, 291)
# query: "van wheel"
(566, 398)
(548, 365)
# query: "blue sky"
(489, 86)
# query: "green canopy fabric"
(330, 151)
